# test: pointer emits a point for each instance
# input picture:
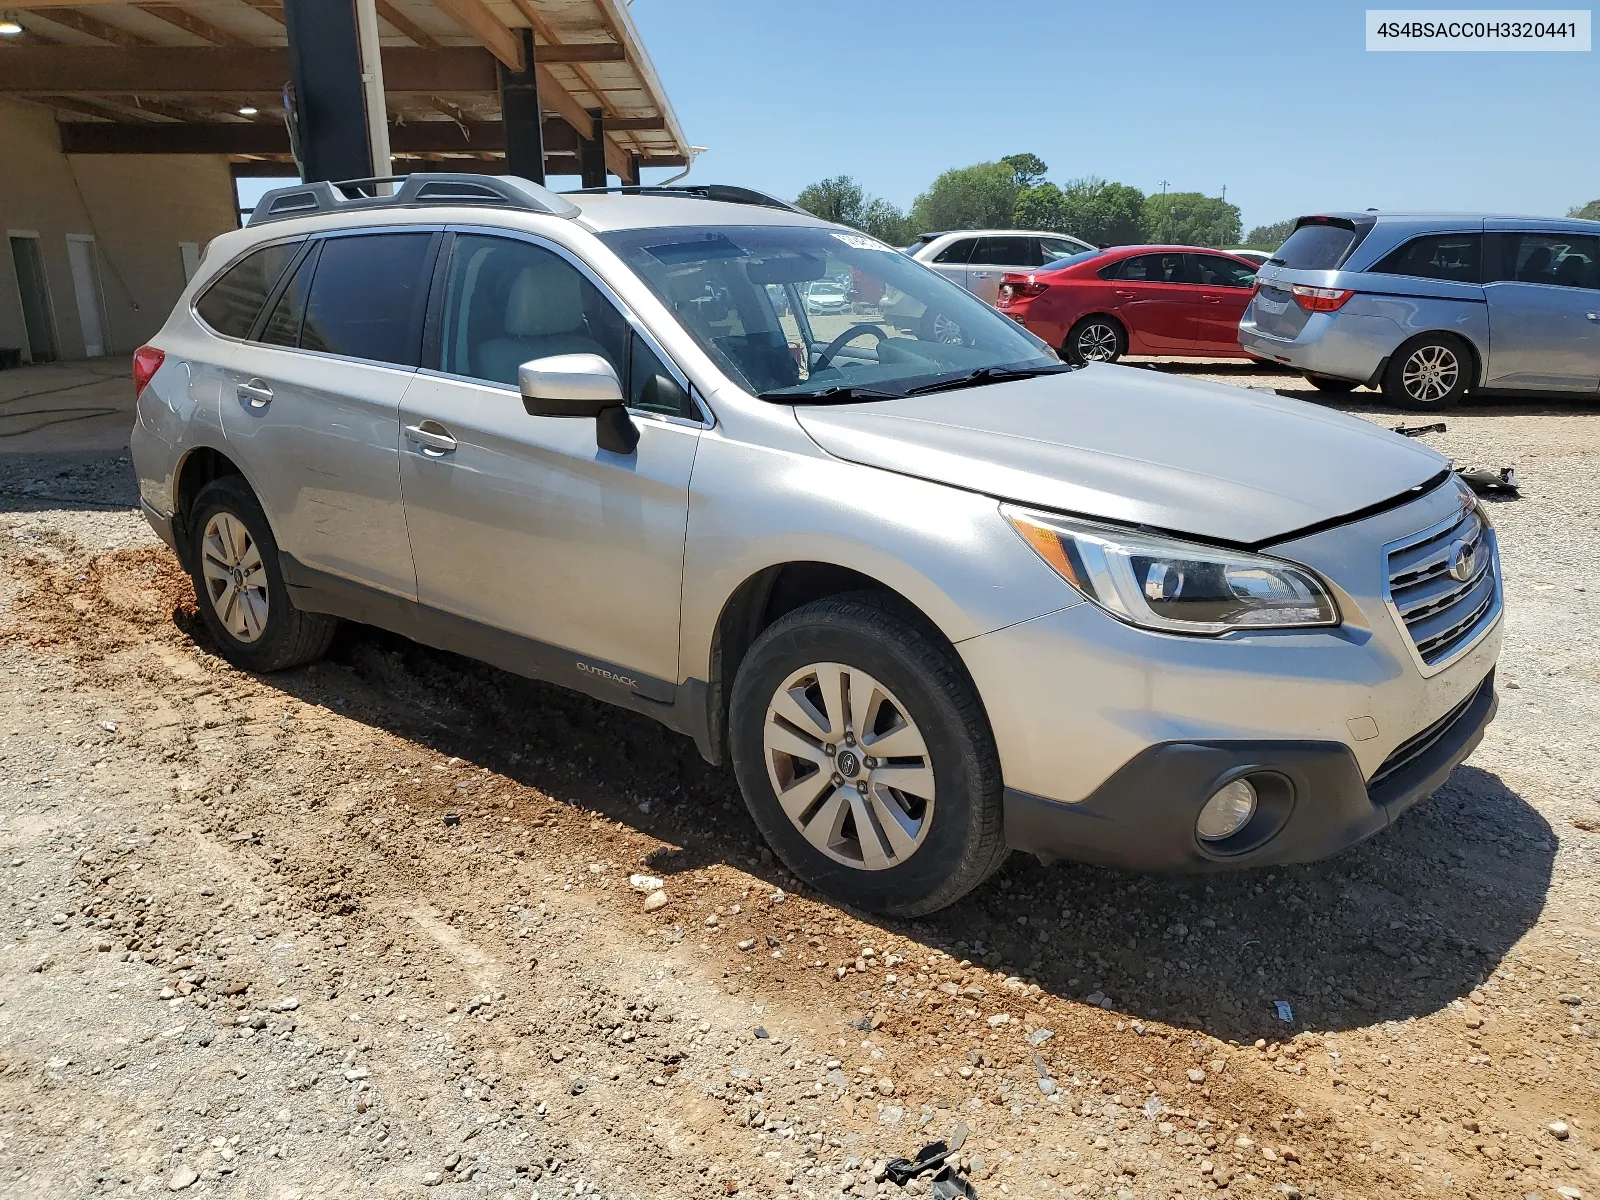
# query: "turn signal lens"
(1229, 810)
(147, 361)
(1320, 299)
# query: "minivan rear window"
(1317, 247)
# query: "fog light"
(1229, 810)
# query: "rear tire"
(239, 587)
(1336, 387)
(1095, 339)
(1429, 374)
(929, 805)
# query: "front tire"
(239, 586)
(1334, 387)
(1095, 339)
(1429, 374)
(865, 756)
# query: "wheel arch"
(1474, 352)
(762, 598)
(198, 467)
(1104, 315)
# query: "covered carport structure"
(557, 87)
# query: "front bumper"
(1112, 737)
(1144, 816)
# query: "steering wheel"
(839, 343)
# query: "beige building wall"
(137, 207)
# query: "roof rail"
(727, 193)
(415, 191)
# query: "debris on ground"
(1491, 481)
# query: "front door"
(1543, 291)
(1226, 286)
(522, 523)
(312, 407)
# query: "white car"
(1256, 256)
(826, 296)
(976, 259)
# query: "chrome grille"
(1443, 614)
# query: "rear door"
(1225, 288)
(951, 262)
(1543, 289)
(993, 257)
(1156, 301)
(312, 403)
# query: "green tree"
(1587, 212)
(1191, 219)
(976, 197)
(845, 201)
(838, 199)
(1103, 213)
(1270, 237)
(1039, 207)
(1026, 169)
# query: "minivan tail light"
(147, 361)
(1320, 299)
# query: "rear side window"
(957, 251)
(1212, 270)
(1004, 252)
(1148, 268)
(231, 304)
(1557, 259)
(1452, 256)
(1316, 248)
(283, 325)
(366, 297)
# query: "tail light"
(1013, 290)
(1320, 299)
(147, 361)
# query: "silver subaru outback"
(933, 599)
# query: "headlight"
(1177, 587)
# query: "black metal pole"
(592, 153)
(330, 108)
(520, 113)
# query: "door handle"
(256, 393)
(1124, 294)
(983, 274)
(1212, 299)
(435, 442)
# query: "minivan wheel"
(1326, 383)
(865, 757)
(1095, 339)
(239, 586)
(1430, 373)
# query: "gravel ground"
(368, 928)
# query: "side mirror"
(580, 385)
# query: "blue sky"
(1280, 102)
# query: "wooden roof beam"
(173, 70)
(479, 20)
(185, 20)
(95, 28)
(405, 25)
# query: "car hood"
(1131, 445)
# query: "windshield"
(799, 312)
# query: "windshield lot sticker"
(861, 242)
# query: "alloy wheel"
(1430, 373)
(236, 579)
(1097, 343)
(849, 766)
(945, 330)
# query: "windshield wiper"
(987, 375)
(839, 393)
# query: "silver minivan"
(1429, 307)
(933, 600)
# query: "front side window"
(879, 322)
(507, 302)
(1558, 259)
(367, 297)
(1212, 270)
(231, 304)
(1452, 256)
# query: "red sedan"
(1180, 301)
